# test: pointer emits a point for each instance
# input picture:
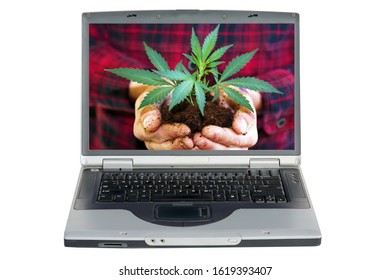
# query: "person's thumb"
(151, 120)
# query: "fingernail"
(242, 125)
(209, 133)
(147, 121)
(187, 143)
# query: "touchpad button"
(182, 212)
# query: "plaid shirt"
(121, 45)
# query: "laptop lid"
(265, 43)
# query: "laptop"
(190, 132)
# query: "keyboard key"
(181, 192)
(105, 197)
(119, 198)
(258, 199)
(237, 187)
(281, 199)
(274, 183)
(132, 197)
(275, 192)
(194, 192)
(232, 196)
(157, 191)
(245, 196)
(144, 197)
(111, 187)
(202, 197)
(270, 199)
(220, 196)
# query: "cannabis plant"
(184, 85)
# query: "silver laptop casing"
(244, 227)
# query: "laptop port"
(113, 245)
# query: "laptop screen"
(191, 87)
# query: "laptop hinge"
(121, 164)
(264, 163)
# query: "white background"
(345, 80)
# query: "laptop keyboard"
(257, 186)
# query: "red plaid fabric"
(121, 45)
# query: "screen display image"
(191, 87)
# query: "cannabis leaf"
(156, 59)
(216, 93)
(181, 92)
(252, 83)
(191, 58)
(209, 42)
(173, 75)
(138, 75)
(200, 96)
(180, 67)
(155, 96)
(215, 64)
(237, 97)
(195, 45)
(237, 64)
(217, 54)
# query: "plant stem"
(189, 99)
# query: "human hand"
(148, 128)
(243, 133)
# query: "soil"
(190, 115)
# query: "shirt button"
(281, 122)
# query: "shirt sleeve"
(276, 66)
(275, 122)
(111, 110)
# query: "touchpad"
(182, 212)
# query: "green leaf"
(217, 54)
(138, 75)
(174, 75)
(181, 92)
(237, 97)
(209, 42)
(195, 45)
(205, 87)
(180, 67)
(156, 95)
(215, 64)
(200, 96)
(191, 58)
(214, 71)
(156, 59)
(216, 93)
(237, 64)
(252, 83)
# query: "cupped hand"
(157, 136)
(243, 133)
